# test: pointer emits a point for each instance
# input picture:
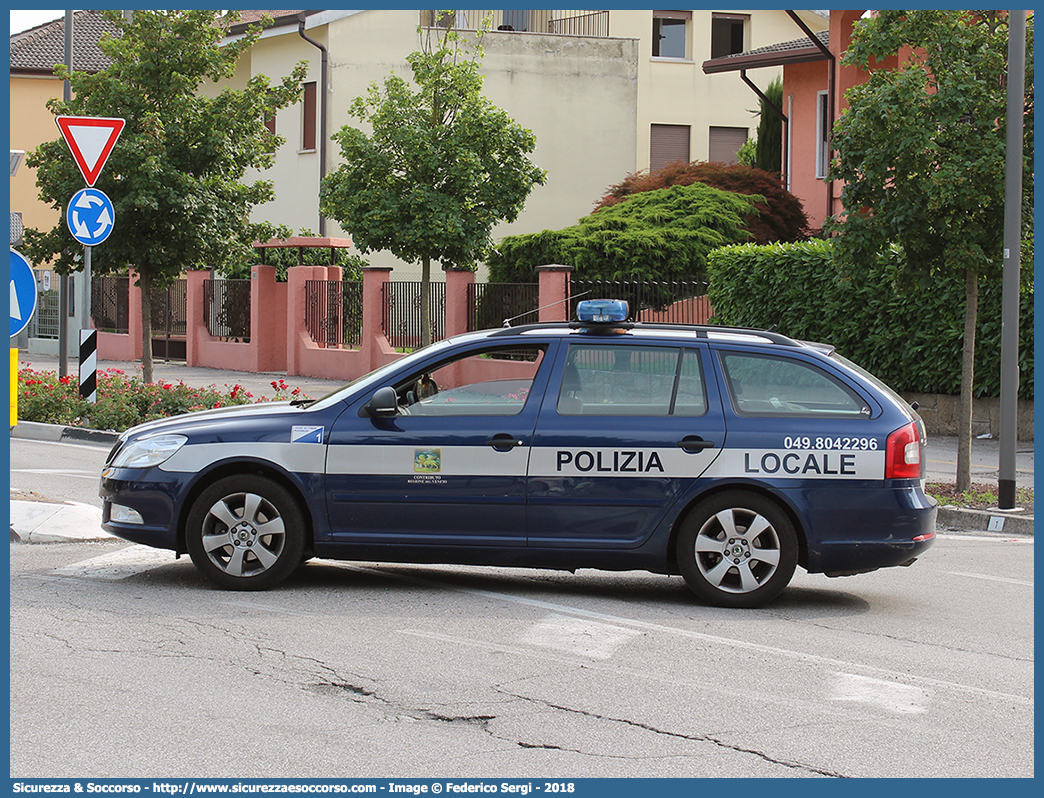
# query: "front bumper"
(154, 500)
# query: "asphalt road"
(125, 664)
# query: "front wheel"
(737, 549)
(245, 532)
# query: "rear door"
(624, 430)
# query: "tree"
(175, 177)
(441, 166)
(777, 215)
(659, 235)
(921, 152)
(770, 130)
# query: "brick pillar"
(374, 345)
(268, 319)
(457, 283)
(554, 292)
(296, 333)
(195, 324)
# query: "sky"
(23, 20)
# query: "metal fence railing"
(110, 303)
(677, 302)
(333, 312)
(169, 320)
(401, 319)
(44, 323)
(491, 304)
(226, 308)
(573, 23)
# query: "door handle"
(691, 444)
(504, 442)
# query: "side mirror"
(383, 404)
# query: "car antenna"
(507, 322)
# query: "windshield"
(376, 376)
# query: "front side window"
(763, 385)
(670, 34)
(493, 382)
(631, 381)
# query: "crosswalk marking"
(117, 565)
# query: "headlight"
(148, 452)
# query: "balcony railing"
(570, 23)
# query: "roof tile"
(40, 48)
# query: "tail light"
(903, 453)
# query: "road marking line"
(902, 699)
(994, 539)
(58, 472)
(578, 636)
(992, 578)
(116, 565)
(770, 651)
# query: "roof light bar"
(602, 311)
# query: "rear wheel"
(737, 549)
(246, 532)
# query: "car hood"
(189, 421)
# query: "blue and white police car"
(726, 455)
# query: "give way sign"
(90, 139)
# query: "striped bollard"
(89, 365)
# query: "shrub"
(123, 400)
(779, 217)
(658, 235)
(908, 335)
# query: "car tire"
(246, 532)
(737, 549)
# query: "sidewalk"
(32, 523)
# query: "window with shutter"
(725, 143)
(308, 118)
(667, 144)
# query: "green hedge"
(910, 337)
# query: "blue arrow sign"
(23, 293)
(90, 216)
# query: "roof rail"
(701, 330)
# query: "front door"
(450, 467)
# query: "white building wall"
(590, 102)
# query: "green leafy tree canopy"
(176, 176)
(439, 168)
(921, 151)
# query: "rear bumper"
(866, 535)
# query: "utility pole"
(63, 282)
(1009, 398)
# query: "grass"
(977, 497)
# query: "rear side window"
(762, 385)
(632, 381)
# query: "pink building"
(814, 86)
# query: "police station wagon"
(726, 455)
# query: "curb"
(56, 522)
(34, 430)
(959, 518)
